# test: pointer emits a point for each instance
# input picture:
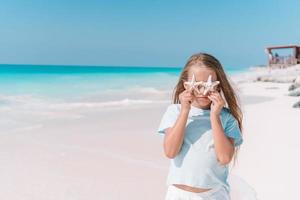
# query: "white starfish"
(193, 84)
(209, 85)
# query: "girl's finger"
(211, 98)
(188, 98)
(219, 100)
(214, 99)
(217, 96)
(186, 91)
(188, 95)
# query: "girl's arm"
(174, 136)
(223, 145)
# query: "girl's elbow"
(224, 160)
(170, 151)
(170, 154)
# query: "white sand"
(118, 154)
(268, 159)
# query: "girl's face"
(201, 74)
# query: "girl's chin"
(202, 99)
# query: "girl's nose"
(200, 91)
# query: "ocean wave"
(123, 102)
(151, 90)
(135, 90)
(33, 103)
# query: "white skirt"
(240, 190)
(217, 193)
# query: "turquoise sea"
(99, 85)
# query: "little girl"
(202, 131)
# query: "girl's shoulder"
(226, 114)
(225, 111)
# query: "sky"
(144, 33)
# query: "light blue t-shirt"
(196, 164)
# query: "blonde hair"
(231, 98)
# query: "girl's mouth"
(202, 97)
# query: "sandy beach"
(115, 154)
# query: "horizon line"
(107, 66)
(82, 65)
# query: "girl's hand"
(217, 102)
(186, 98)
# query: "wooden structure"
(276, 60)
